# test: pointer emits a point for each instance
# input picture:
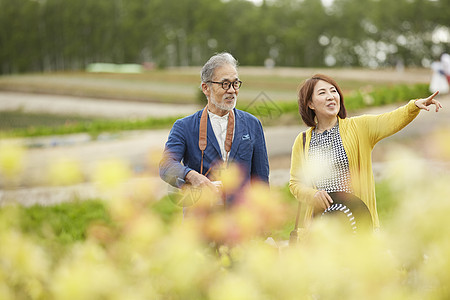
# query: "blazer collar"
(240, 133)
(210, 136)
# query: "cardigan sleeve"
(378, 127)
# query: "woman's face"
(325, 100)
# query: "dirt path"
(90, 107)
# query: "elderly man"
(219, 134)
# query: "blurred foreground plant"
(11, 161)
(137, 255)
(65, 171)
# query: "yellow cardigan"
(359, 136)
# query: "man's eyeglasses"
(226, 84)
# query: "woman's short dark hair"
(305, 92)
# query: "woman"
(335, 155)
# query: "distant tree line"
(52, 35)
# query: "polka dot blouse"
(327, 152)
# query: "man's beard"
(223, 106)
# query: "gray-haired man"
(219, 133)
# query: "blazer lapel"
(240, 133)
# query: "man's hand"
(198, 180)
(424, 103)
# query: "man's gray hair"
(214, 62)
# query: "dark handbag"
(293, 236)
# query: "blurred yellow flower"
(141, 232)
(11, 159)
(141, 191)
(23, 264)
(154, 157)
(218, 253)
(220, 227)
(231, 177)
(234, 287)
(441, 141)
(111, 173)
(86, 273)
(121, 209)
(65, 171)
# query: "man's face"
(221, 101)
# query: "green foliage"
(68, 222)
(68, 35)
(387, 202)
(10, 120)
(387, 95)
(360, 98)
(167, 210)
(201, 98)
(19, 125)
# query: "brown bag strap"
(202, 134)
(203, 130)
(299, 203)
(230, 131)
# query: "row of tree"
(49, 35)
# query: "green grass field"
(18, 119)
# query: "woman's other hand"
(321, 199)
(425, 102)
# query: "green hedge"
(361, 98)
(93, 127)
(385, 95)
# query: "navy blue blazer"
(182, 154)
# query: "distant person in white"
(439, 80)
(445, 61)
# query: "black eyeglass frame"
(226, 84)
